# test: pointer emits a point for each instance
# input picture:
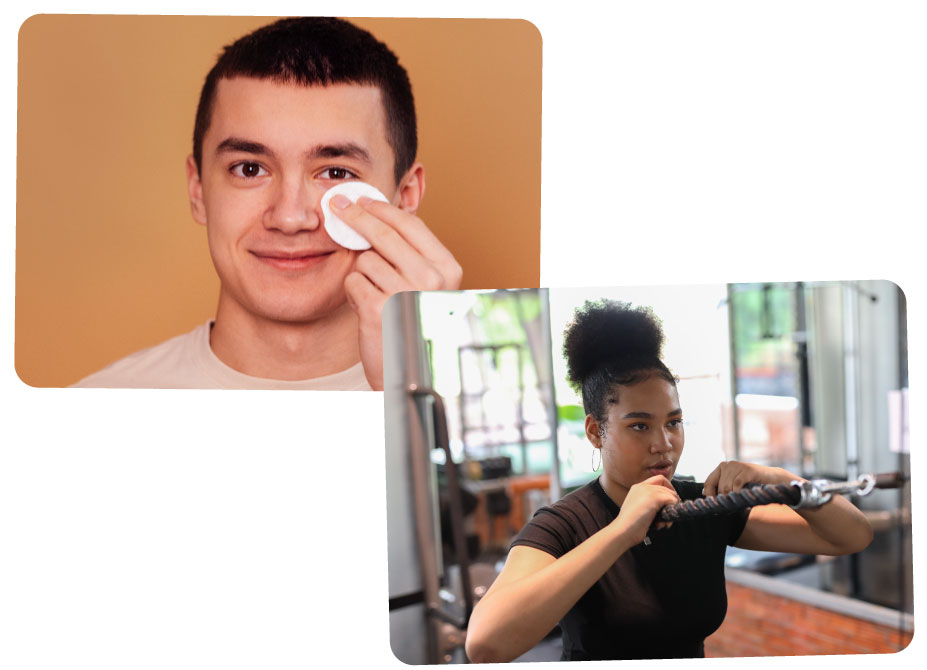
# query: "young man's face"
(269, 154)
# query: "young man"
(286, 113)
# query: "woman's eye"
(248, 170)
(675, 423)
(337, 174)
(638, 426)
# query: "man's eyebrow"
(231, 144)
(344, 150)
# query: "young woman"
(583, 562)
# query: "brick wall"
(762, 624)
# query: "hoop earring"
(596, 450)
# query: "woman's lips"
(291, 261)
(664, 469)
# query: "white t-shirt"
(187, 362)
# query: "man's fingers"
(364, 297)
(412, 229)
(383, 275)
(404, 241)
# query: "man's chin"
(296, 314)
(291, 304)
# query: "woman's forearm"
(835, 528)
(514, 617)
(840, 524)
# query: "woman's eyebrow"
(648, 415)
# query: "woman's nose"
(662, 443)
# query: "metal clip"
(812, 493)
(819, 491)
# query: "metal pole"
(548, 389)
(732, 331)
(851, 379)
(420, 463)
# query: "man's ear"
(412, 188)
(593, 434)
(195, 191)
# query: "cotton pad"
(337, 229)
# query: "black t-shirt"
(656, 601)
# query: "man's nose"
(294, 207)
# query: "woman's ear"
(593, 431)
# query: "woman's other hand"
(833, 529)
(642, 504)
(732, 476)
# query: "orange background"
(108, 258)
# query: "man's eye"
(248, 170)
(337, 174)
(675, 423)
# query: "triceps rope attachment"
(799, 494)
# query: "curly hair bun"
(605, 332)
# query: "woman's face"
(643, 437)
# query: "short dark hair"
(318, 51)
(610, 343)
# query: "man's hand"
(734, 475)
(405, 256)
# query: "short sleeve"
(548, 531)
(738, 523)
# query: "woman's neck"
(613, 490)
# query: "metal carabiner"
(816, 492)
(812, 493)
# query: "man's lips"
(291, 260)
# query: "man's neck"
(287, 351)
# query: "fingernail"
(340, 201)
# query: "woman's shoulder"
(560, 526)
(581, 492)
(589, 498)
